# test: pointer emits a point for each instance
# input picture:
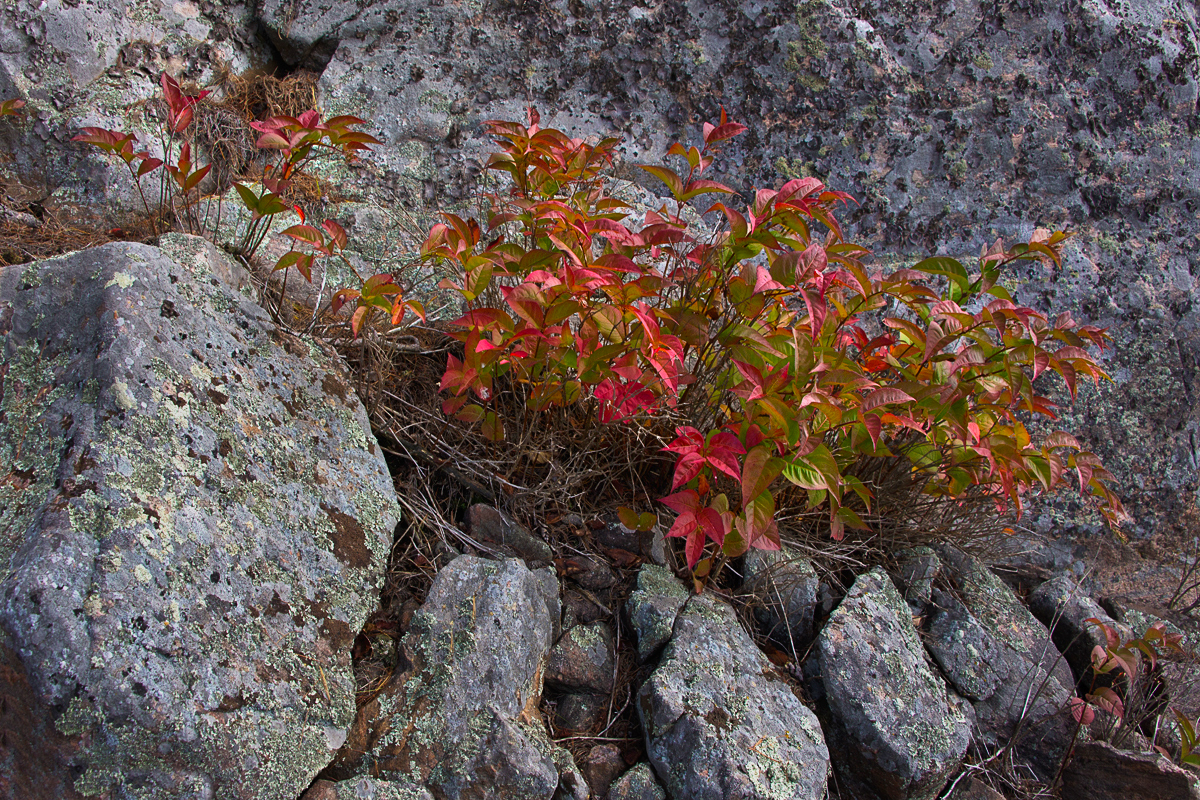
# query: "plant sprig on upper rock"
(295, 142)
(791, 361)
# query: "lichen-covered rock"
(584, 658)
(784, 587)
(720, 724)
(902, 733)
(1064, 608)
(461, 720)
(638, 783)
(998, 656)
(572, 785)
(200, 526)
(652, 608)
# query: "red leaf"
(885, 395)
(722, 132)
(1081, 711)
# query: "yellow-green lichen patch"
(29, 442)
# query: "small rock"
(601, 766)
(718, 721)
(1099, 771)
(462, 719)
(591, 573)
(638, 783)
(652, 608)
(492, 525)
(611, 533)
(584, 658)
(571, 783)
(974, 789)
(583, 609)
(581, 713)
(784, 587)
(904, 736)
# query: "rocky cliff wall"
(952, 123)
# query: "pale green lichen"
(157, 478)
(29, 445)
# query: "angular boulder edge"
(199, 527)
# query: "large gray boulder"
(195, 522)
(720, 724)
(902, 733)
(998, 656)
(460, 719)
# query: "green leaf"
(478, 280)
(948, 267)
(804, 474)
(668, 177)
(249, 198)
(759, 471)
(493, 427)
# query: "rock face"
(461, 720)
(998, 656)
(951, 124)
(198, 529)
(902, 733)
(718, 724)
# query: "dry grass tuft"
(29, 232)
(261, 96)
(225, 135)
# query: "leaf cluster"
(1127, 666)
(794, 362)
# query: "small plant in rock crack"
(1125, 682)
(295, 143)
(1189, 746)
(9, 108)
(379, 292)
(789, 360)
